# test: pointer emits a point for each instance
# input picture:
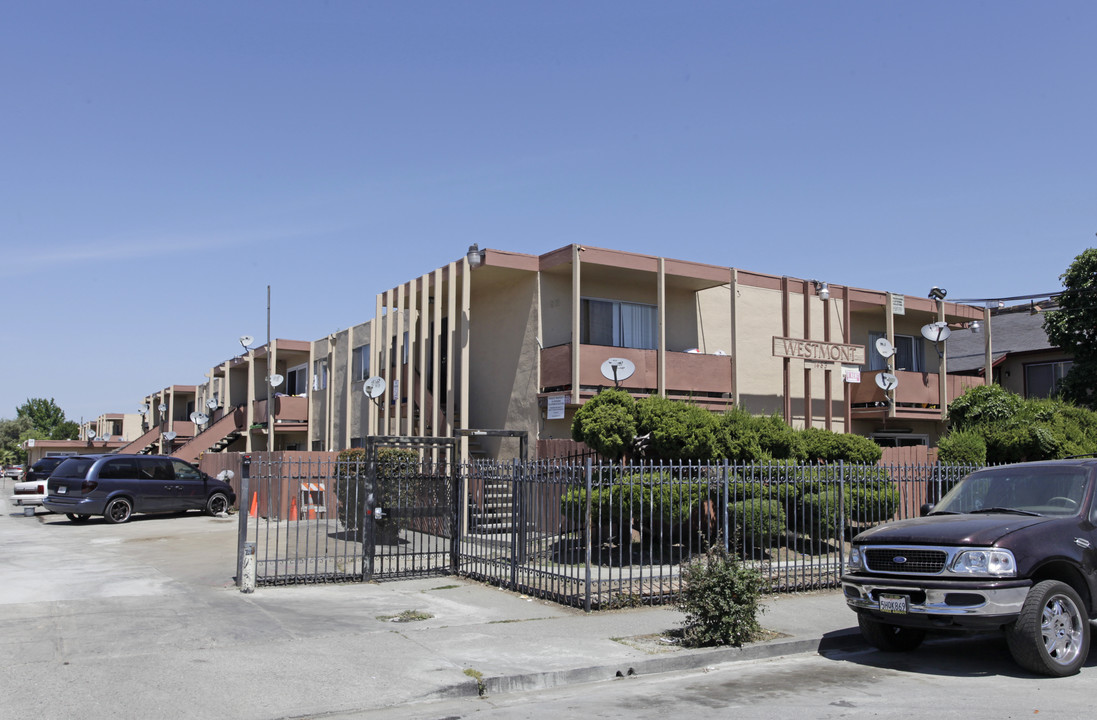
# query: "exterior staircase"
(219, 435)
(491, 513)
(144, 444)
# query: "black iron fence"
(590, 535)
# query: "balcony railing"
(702, 377)
(286, 410)
(917, 395)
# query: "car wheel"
(118, 510)
(1051, 635)
(218, 503)
(890, 638)
(77, 517)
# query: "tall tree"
(47, 419)
(1073, 327)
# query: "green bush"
(720, 598)
(826, 446)
(393, 480)
(984, 404)
(962, 447)
(759, 521)
(653, 502)
(777, 440)
(818, 515)
(606, 423)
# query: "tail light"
(87, 486)
(41, 488)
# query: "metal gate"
(410, 501)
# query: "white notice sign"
(556, 405)
(898, 304)
(851, 374)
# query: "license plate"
(61, 490)
(893, 604)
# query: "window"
(909, 353)
(296, 382)
(1042, 379)
(359, 364)
(617, 324)
(320, 374)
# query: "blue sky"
(164, 162)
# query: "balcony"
(705, 379)
(917, 395)
(287, 410)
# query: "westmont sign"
(818, 351)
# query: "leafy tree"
(12, 434)
(1073, 327)
(47, 420)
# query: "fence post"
(514, 531)
(725, 529)
(589, 533)
(841, 517)
(244, 503)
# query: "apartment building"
(505, 341)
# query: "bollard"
(247, 584)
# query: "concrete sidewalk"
(143, 619)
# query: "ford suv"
(116, 486)
(1012, 547)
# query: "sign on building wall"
(851, 374)
(898, 304)
(818, 351)
(556, 405)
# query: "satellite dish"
(618, 369)
(884, 347)
(936, 332)
(194, 417)
(276, 380)
(91, 434)
(199, 418)
(374, 387)
(720, 353)
(144, 410)
(887, 381)
(246, 340)
(226, 475)
(169, 435)
(163, 407)
(212, 403)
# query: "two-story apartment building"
(499, 340)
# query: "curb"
(692, 660)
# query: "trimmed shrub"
(606, 423)
(393, 479)
(720, 599)
(984, 404)
(963, 447)
(759, 521)
(826, 446)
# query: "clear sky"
(163, 162)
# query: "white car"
(32, 490)
(13, 471)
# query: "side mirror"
(927, 509)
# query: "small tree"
(47, 420)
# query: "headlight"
(856, 561)
(998, 563)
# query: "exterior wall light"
(474, 255)
(976, 327)
(822, 288)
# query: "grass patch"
(406, 616)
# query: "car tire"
(217, 503)
(1051, 635)
(118, 510)
(890, 638)
(77, 517)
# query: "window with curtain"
(617, 324)
(909, 353)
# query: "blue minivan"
(116, 486)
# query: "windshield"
(1047, 490)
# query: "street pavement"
(144, 620)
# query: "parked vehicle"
(13, 471)
(116, 486)
(31, 489)
(1012, 547)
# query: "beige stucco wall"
(504, 355)
(1011, 372)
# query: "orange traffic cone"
(254, 504)
(293, 509)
